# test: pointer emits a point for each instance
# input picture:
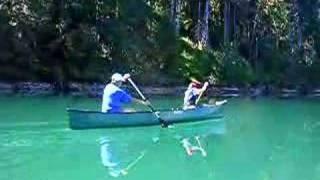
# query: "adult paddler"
(114, 97)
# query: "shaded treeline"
(161, 41)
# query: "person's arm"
(139, 101)
(126, 77)
(204, 88)
(127, 98)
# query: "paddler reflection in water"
(110, 157)
(114, 97)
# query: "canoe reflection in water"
(119, 157)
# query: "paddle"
(203, 152)
(199, 97)
(133, 163)
(162, 122)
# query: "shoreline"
(95, 90)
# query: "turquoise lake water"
(260, 139)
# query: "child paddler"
(191, 95)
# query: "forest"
(161, 42)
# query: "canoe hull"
(82, 119)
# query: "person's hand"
(205, 86)
(147, 103)
(126, 76)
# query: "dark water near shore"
(261, 139)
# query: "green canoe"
(85, 119)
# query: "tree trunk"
(175, 9)
(256, 52)
(57, 45)
(198, 25)
(172, 10)
(295, 36)
(235, 27)
(254, 49)
(299, 24)
(226, 21)
(205, 25)
(177, 17)
(117, 9)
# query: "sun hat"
(195, 83)
(116, 77)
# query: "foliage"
(235, 69)
(271, 41)
(226, 65)
(273, 18)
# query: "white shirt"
(190, 96)
(114, 98)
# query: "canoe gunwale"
(147, 125)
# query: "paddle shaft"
(140, 93)
(200, 95)
(137, 89)
(149, 105)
